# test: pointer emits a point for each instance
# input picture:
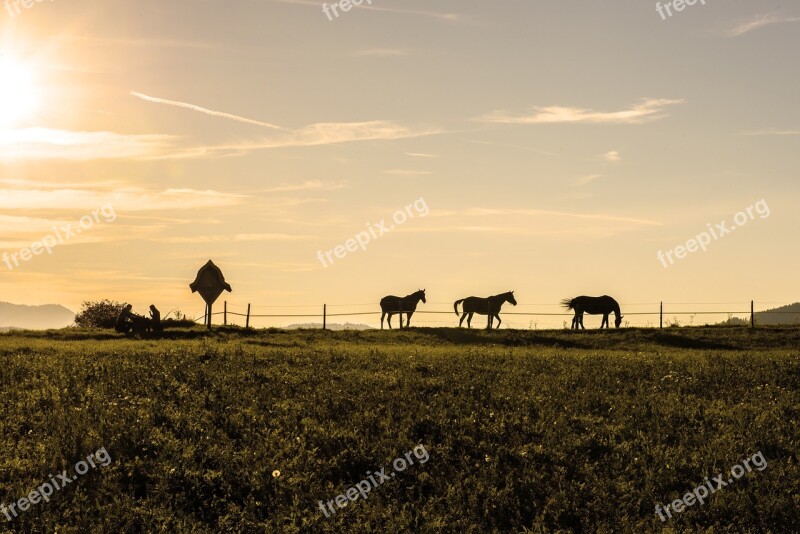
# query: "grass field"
(542, 431)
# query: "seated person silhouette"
(125, 320)
(155, 318)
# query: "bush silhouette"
(98, 314)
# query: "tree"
(99, 314)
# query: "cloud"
(432, 14)
(647, 110)
(530, 222)
(381, 52)
(318, 134)
(585, 180)
(204, 110)
(315, 185)
(612, 156)
(759, 22)
(773, 132)
(123, 200)
(421, 155)
(45, 143)
(235, 238)
(406, 172)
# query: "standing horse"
(484, 306)
(401, 305)
(594, 306)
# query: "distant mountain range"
(329, 326)
(34, 317)
(789, 314)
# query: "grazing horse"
(484, 306)
(594, 306)
(401, 305)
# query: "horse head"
(421, 294)
(618, 321)
(510, 298)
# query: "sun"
(19, 94)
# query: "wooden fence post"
(247, 323)
(324, 316)
(661, 315)
(210, 307)
(225, 314)
(752, 314)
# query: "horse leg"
(580, 320)
(463, 316)
(489, 321)
(408, 319)
(604, 322)
(382, 316)
(497, 315)
(401, 320)
(469, 320)
(389, 320)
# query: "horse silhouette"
(484, 306)
(593, 306)
(391, 305)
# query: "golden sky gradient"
(558, 147)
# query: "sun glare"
(19, 94)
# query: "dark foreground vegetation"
(544, 431)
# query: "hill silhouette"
(34, 317)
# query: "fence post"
(225, 314)
(247, 323)
(752, 314)
(661, 315)
(210, 308)
(324, 316)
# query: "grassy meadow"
(527, 431)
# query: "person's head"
(152, 307)
(129, 307)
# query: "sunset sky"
(559, 146)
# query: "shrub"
(99, 314)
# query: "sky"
(549, 148)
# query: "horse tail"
(456, 303)
(567, 303)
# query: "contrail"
(206, 111)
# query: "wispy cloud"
(421, 155)
(153, 42)
(45, 143)
(772, 132)
(511, 145)
(381, 52)
(315, 185)
(123, 200)
(561, 214)
(585, 180)
(406, 172)
(612, 156)
(318, 134)
(647, 110)
(238, 238)
(199, 109)
(423, 13)
(759, 22)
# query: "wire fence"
(525, 316)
